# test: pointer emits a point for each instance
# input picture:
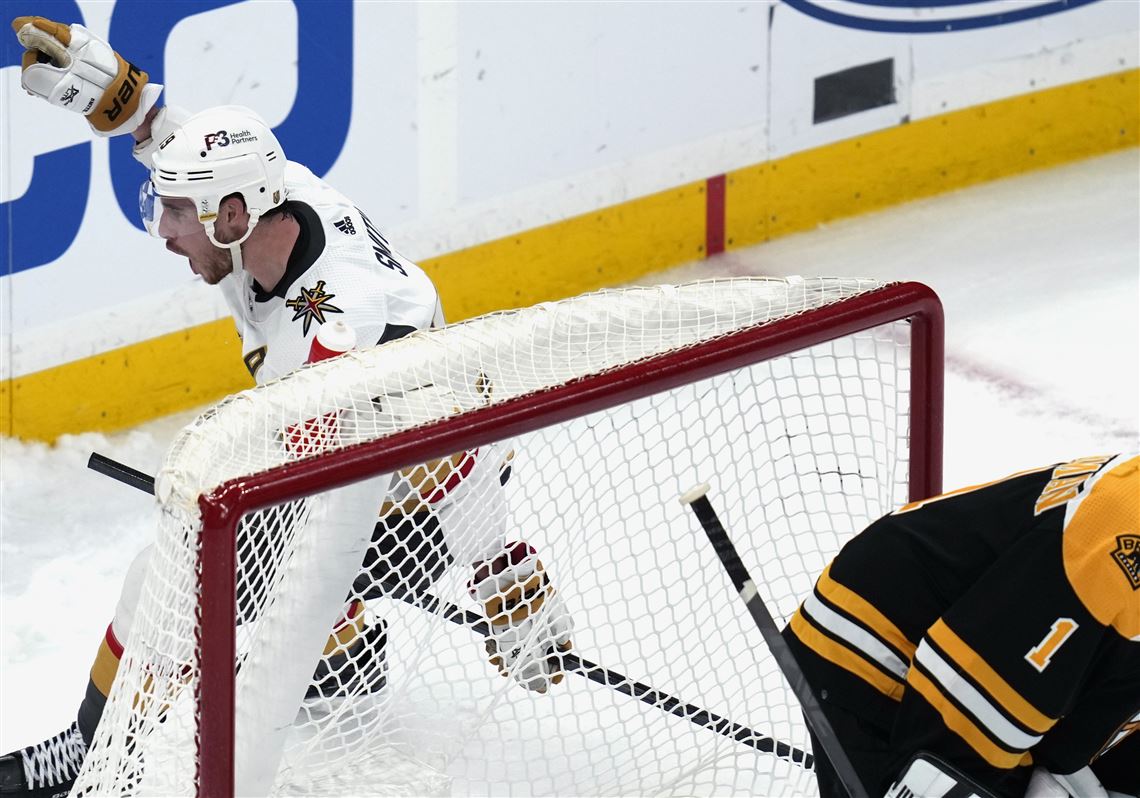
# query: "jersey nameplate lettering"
(1067, 481)
(380, 246)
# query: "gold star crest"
(312, 304)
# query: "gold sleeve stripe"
(347, 629)
(968, 661)
(845, 658)
(1101, 547)
(965, 728)
(851, 634)
(973, 703)
(1082, 465)
(104, 669)
(853, 604)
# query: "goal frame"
(223, 507)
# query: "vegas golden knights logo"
(312, 305)
(1127, 556)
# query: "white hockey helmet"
(224, 150)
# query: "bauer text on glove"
(71, 67)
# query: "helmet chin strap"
(234, 246)
(235, 257)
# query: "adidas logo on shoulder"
(346, 226)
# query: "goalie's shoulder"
(1101, 545)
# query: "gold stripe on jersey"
(906, 508)
(104, 668)
(347, 629)
(959, 723)
(967, 661)
(844, 657)
(1067, 480)
(1101, 550)
(858, 607)
(1129, 727)
(1082, 465)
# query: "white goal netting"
(362, 663)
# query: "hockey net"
(281, 628)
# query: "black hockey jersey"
(997, 626)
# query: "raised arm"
(69, 66)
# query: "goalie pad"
(928, 776)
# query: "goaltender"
(995, 628)
(289, 253)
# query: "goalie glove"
(71, 67)
(529, 625)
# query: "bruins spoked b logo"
(312, 305)
(1127, 556)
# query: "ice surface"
(1040, 279)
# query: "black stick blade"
(125, 474)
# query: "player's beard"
(214, 267)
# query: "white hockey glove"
(69, 66)
(530, 627)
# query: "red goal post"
(863, 308)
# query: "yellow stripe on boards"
(619, 243)
(930, 156)
(126, 386)
(603, 248)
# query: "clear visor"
(166, 217)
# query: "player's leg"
(454, 510)
(341, 670)
(354, 660)
(864, 735)
(49, 768)
(864, 745)
(530, 625)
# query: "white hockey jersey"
(341, 268)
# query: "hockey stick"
(572, 663)
(125, 474)
(744, 585)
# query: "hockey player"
(996, 628)
(289, 253)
